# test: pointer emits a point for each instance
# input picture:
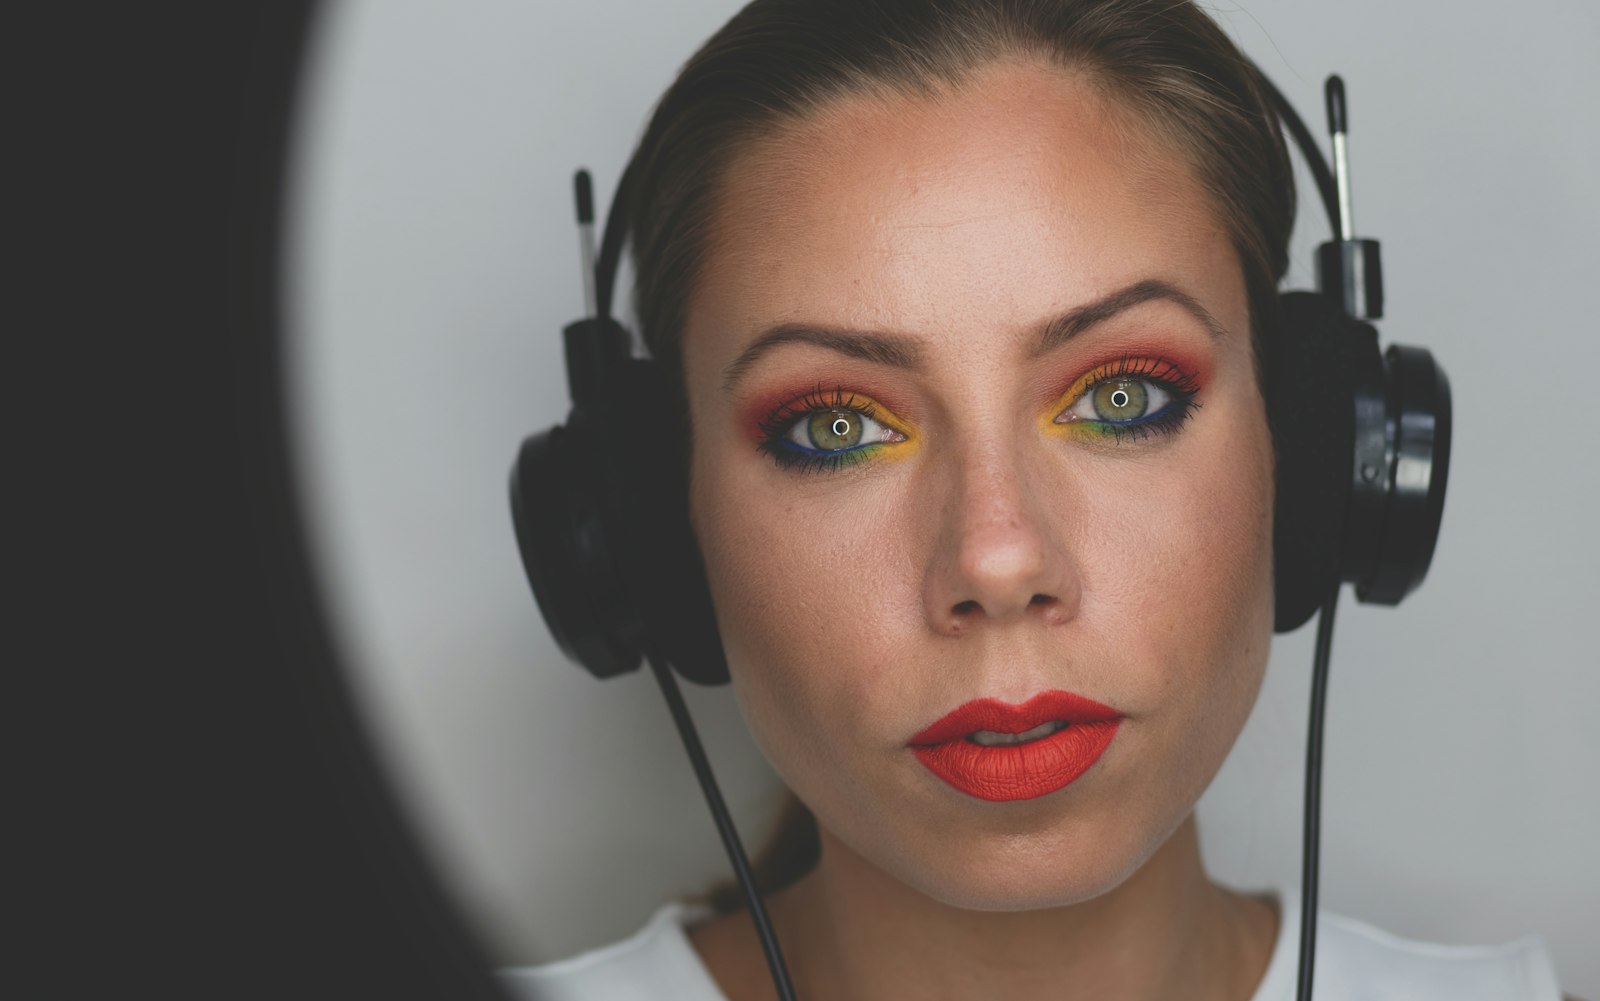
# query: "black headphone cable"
(725, 828)
(1313, 804)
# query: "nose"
(1000, 553)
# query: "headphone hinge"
(596, 348)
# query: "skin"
(991, 552)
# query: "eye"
(1134, 397)
(1120, 400)
(825, 430)
(834, 430)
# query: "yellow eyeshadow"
(1157, 371)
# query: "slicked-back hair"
(777, 62)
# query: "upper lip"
(1002, 717)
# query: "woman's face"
(916, 483)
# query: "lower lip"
(1019, 771)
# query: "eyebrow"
(902, 351)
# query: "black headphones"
(1361, 438)
(1362, 441)
(600, 503)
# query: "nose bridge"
(999, 556)
(993, 503)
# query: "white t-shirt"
(1354, 962)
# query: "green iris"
(1120, 400)
(832, 430)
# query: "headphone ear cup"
(679, 618)
(1312, 364)
(567, 553)
(1401, 462)
(601, 511)
(675, 597)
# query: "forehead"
(1019, 193)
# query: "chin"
(1031, 888)
(1056, 867)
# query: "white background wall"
(433, 262)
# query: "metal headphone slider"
(1349, 270)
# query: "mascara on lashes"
(847, 407)
(1130, 371)
(1178, 386)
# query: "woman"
(968, 303)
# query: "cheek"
(1209, 545)
(1204, 591)
(811, 598)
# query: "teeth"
(989, 738)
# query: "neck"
(851, 931)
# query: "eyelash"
(776, 426)
(1179, 385)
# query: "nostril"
(1040, 599)
(965, 607)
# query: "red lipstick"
(951, 747)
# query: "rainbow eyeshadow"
(1129, 398)
(825, 430)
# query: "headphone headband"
(1361, 440)
(1361, 437)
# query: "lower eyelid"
(1169, 420)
